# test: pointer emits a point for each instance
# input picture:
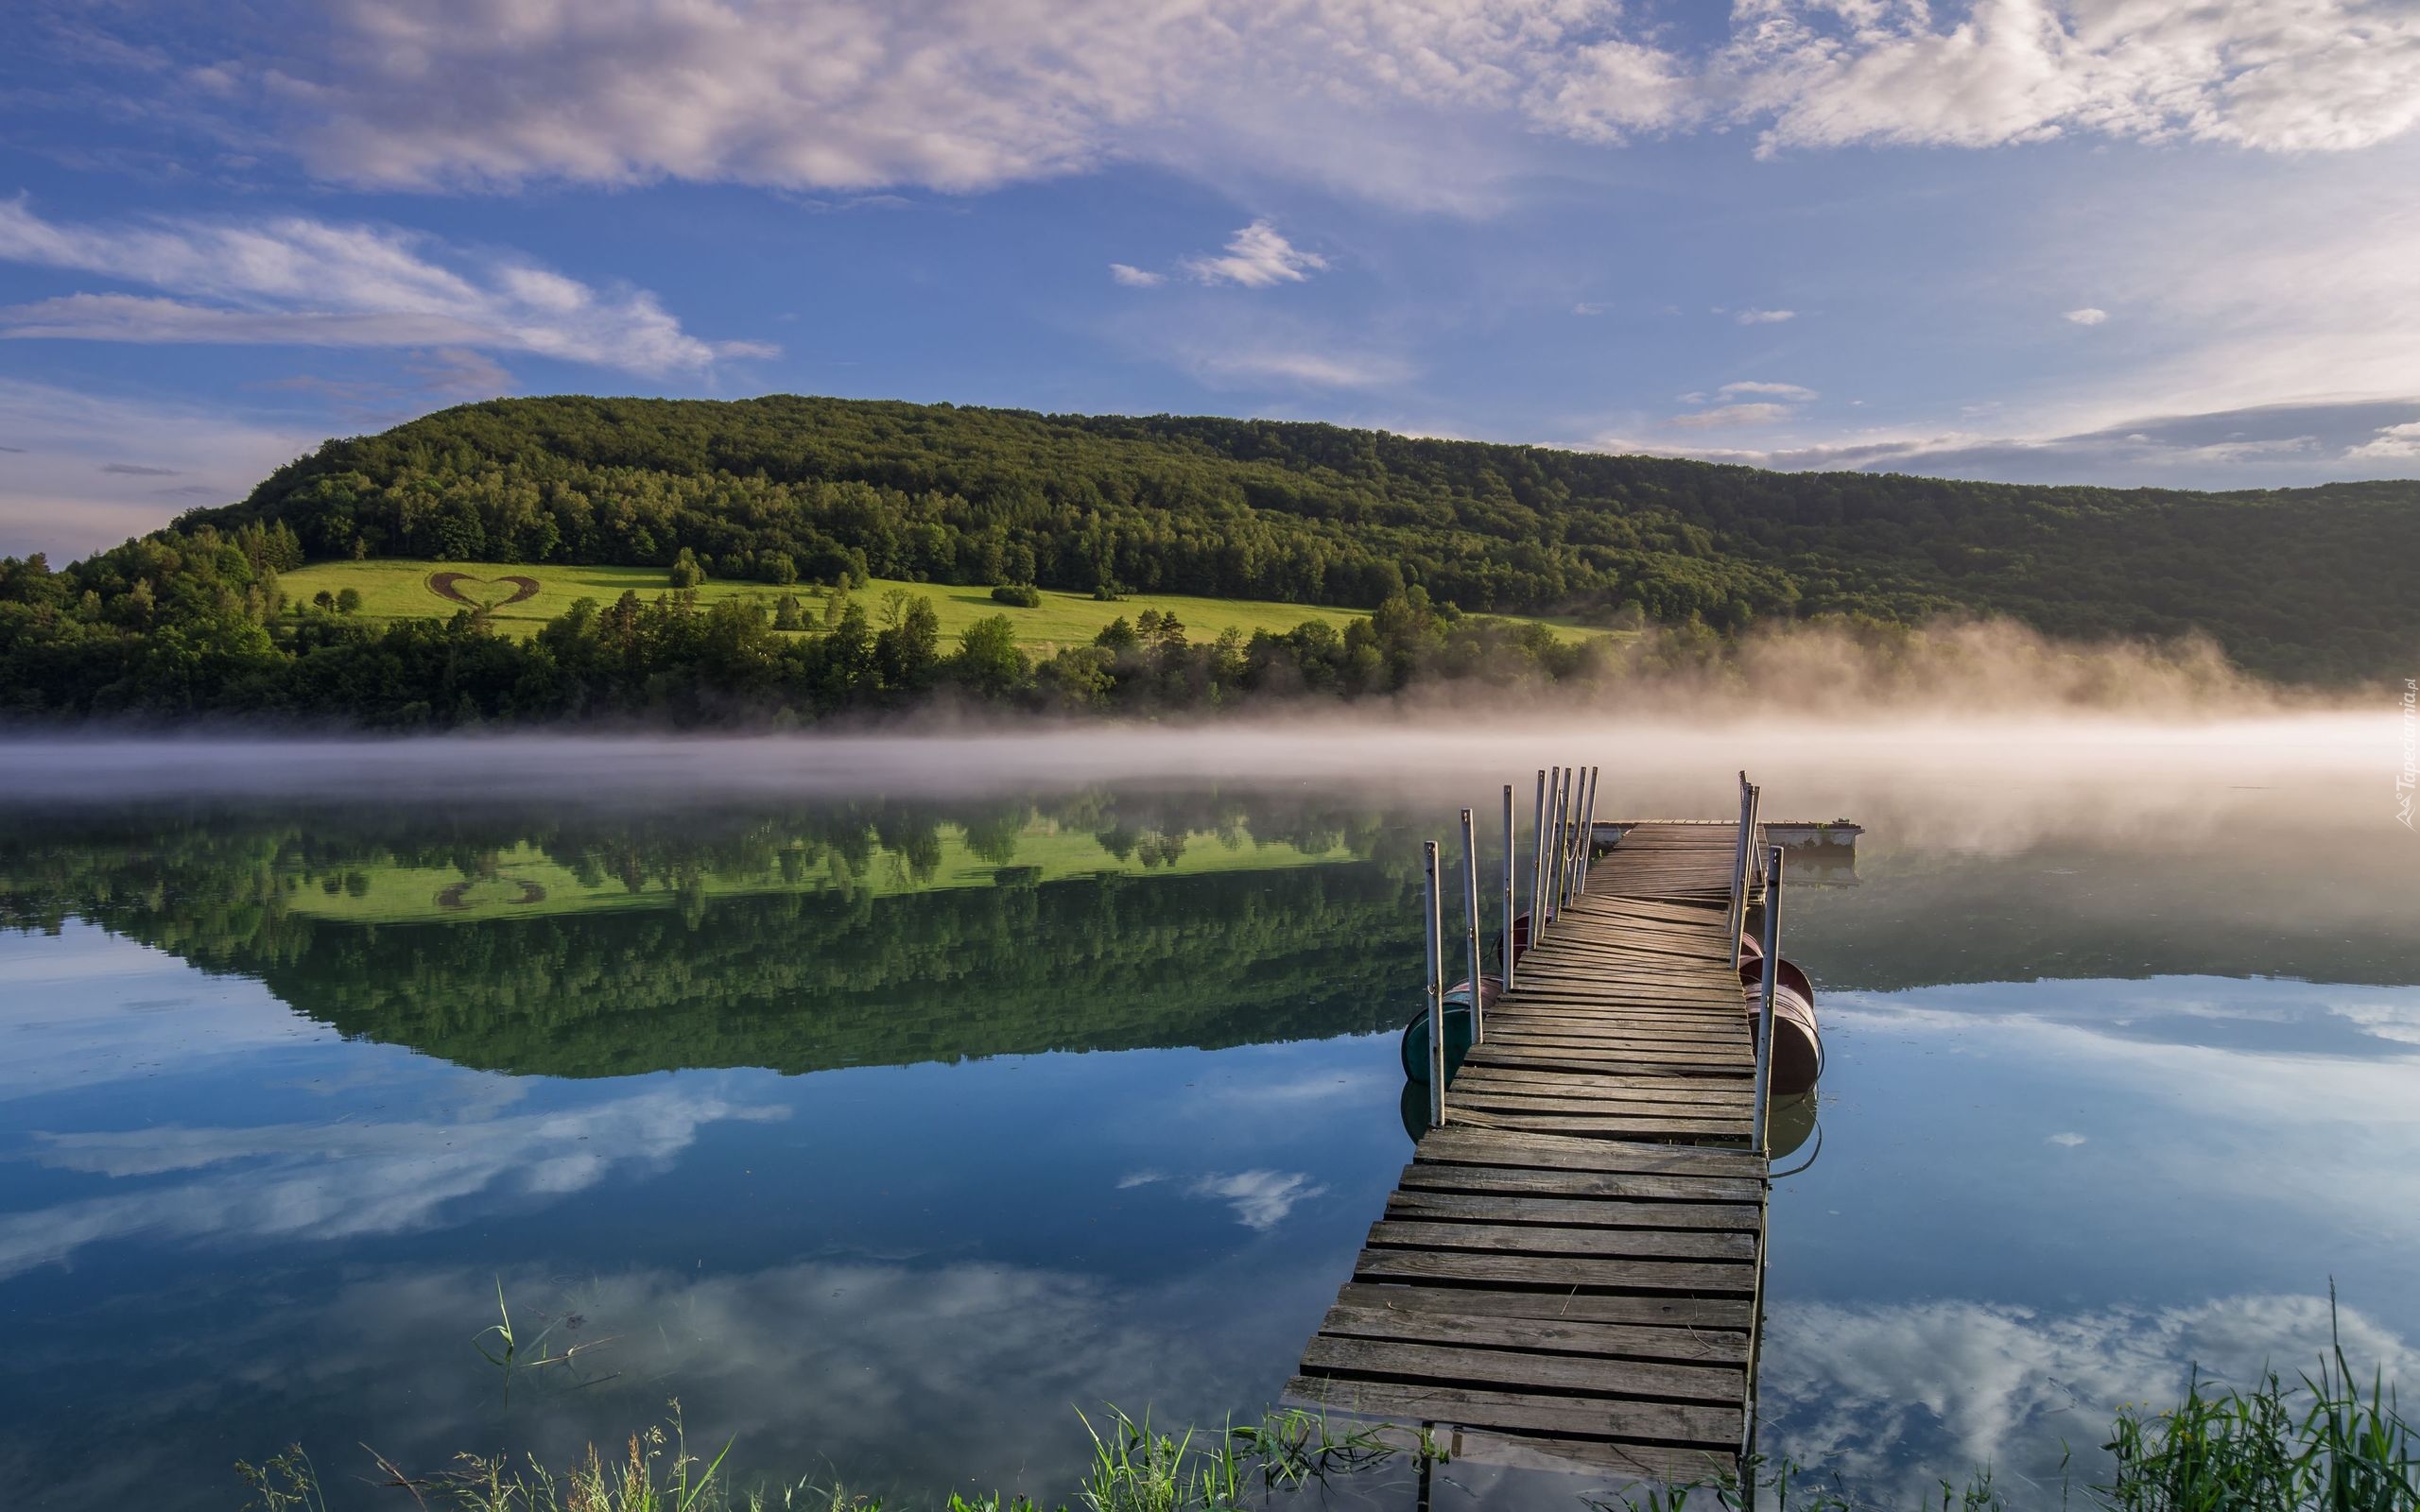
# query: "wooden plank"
(1534, 1239)
(1437, 1324)
(1676, 1315)
(1442, 1176)
(1574, 1213)
(1707, 1280)
(1523, 1370)
(1732, 1132)
(1559, 1416)
(1546, 1152)
(1477, 1091)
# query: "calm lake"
(887, 1104)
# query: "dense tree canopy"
(2299, 583)
(1438, 538)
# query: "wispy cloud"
(1135, 278)
(957, 95)
(2393, 443)
(1785, 391)
(1755, 316)
(1317, 367)
(2087, 315)
(1726, 416)
(298, 281)
(1257, 257)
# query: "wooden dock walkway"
(1570, 1270)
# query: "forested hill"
(2308, 585)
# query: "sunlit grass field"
(400, 590)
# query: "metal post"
(1470, 919)
(1505, 944)
(1554, 843)
(1432, 928)
(1765, 997)
(1562, 839)
(1538, 865)
(1737, 914)
(1588, 828)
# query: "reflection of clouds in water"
(1261, 1198)
(1934, 1389)
(86, 1008)
(325, 1181)
(2334, 1134)
(819, 1369)
(2387, 1013)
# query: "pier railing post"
(1562, 831)
(1432, 930)
(1552, 828)
(1588, 828)
(1538, 865)
(1765, 997)
(1511, 841)
(1470, 924)
(1734, 914)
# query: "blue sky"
(2118, 241)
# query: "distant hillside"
(2308, 585)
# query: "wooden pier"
(1570, 1271)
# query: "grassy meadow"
(393, 589)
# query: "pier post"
(1551, 828)
(1432, 930)
(1737, 913)
(1588, 828)
(1470, 923)
(1510, 842)
(1765, 997)
(1538, 865)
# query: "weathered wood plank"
(1523, 1370)
(1705, 1279)
(1533, 1239)
(1573, 1212)
(1560, 1416)
(1549, 1152)
(1647, 1186)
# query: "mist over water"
(886, 1094)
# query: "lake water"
(886, 1118)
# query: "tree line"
(2301, 584)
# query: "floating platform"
(1570, 1270)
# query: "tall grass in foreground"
(1133, 1469)
(2322, 1444)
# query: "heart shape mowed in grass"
(480, 593)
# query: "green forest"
(1438, 537)
(794, 981)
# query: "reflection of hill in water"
(2245, 907)
(803, 983)
(843, 939)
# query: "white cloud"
(2087, 315)
(2068, 1140)
(1135, 278)
(298, 281)
(58, 494)
(2287, 76)
(967, 94)
(1730, 415)
(1784, 391)
(1319, 369)
(2393, 443)
(1257, 257)
(1755, 317)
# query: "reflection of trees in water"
(792, 980)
